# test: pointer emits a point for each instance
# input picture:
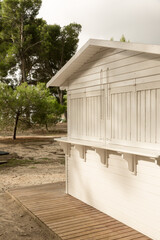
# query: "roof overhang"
(90, 49)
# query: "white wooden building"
(113, 143)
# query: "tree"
(45, 110)
(58, 46)
(32, 51)
(35, 100)
(19, 37)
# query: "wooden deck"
(68, 218)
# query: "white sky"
(138, 20)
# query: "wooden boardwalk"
(70, 219)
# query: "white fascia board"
(89, 49)
(138, 47)
(55, 81)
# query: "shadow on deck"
(68, 218)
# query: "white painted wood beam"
(103, 154)
(132, 162)
(66, 148)
(81, 150)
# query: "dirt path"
(15, 224)
(32, 161)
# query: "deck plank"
(69, 218)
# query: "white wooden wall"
(133, 200)
(116, 98)
(86, 116)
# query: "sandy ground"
(44, 158)
(31, 161)
(16, 224)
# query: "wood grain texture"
(70, 218)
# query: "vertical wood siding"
(120, 101)
(93, 117)
(121, 116)
(76, 120)
(148, 105)
(134, 113)
(86, 116)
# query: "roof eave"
(65, 71)
(55, 78)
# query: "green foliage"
(122, 39)
(31, 46)
(58, 46)
(45, 110)
(29, 104)
(30, 50)
(6, 103)
(19, 32)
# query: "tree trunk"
(62, 53)
(60, 96)
(15, 126)
(65, 115)
(22, 54)
(47, 127)
(23, 71)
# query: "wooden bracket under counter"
(128, 153)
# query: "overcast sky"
(138, 20)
